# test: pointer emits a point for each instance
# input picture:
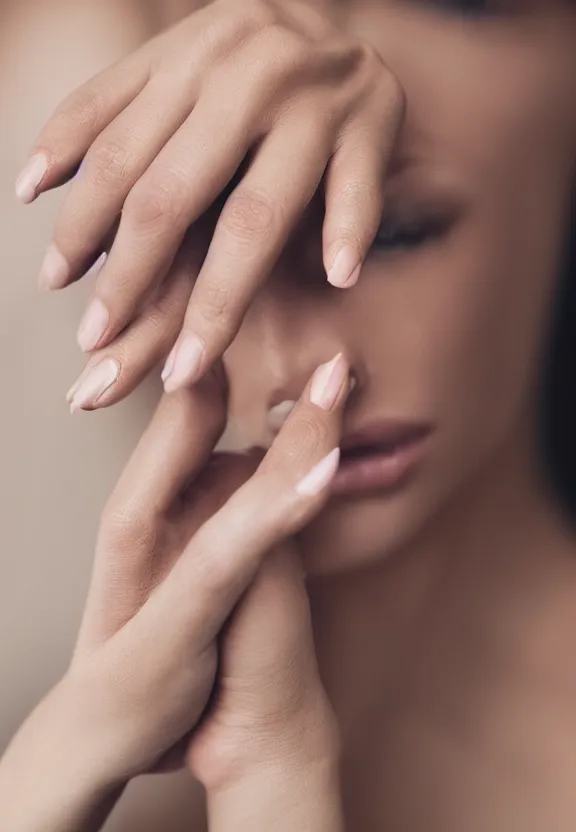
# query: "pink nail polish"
(328, 381)
(345, 270)
(187, 361)
(55, 271)
(30, 178)
(169, 365)
(320, 476)
(94, 384)
(93, 326)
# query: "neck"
(480, 589)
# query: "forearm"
(49, 780)
(280, 799)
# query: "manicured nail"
(328, 381)
(31, 177)
(93, 326)
(345, 269)
(94, 384)
(185, 364)
(169, 366)
(321, 476)
(55, 271)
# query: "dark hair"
(559, 399)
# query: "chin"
(361, 531)
(355, 534)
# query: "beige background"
(55, 471)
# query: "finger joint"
(248, 215)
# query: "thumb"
(269, 699)
(268, 660)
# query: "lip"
(382, 456)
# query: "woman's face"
(446, 327)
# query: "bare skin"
(179, 560)
(317, 105)
(443, 610)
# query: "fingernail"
(320, 476)
(93, 326)
(31, 177)
(345, 269)
(328, 381)
(99, 379)
(55, 271)
(169, 366)
(185, 363)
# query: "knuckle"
(83, 108)
(391, 93)
(287, 44)
(214, 304)
(248, 215)
(145, 345)
(369, 55)
(166, 314)
(156, 332)
(377, 78)
(358, 192)
(157, 200)
(109, 163)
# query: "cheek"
(455, 333)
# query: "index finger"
(76, 123)
(284, 494)
(174, 448)
(253, 229)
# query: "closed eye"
(466, 7)
(397, 235)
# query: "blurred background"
(56, 471)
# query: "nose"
(296, 323)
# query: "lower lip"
(384, 471)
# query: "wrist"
(308, 741)
(81, 734)
(286, 795)
(53, 758)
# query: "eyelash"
(466, 7)
(393, 235)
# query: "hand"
(171, 564)
(269, 708)
(267, 95)
(267, 750)
(174, 557)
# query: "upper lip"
(386, 433)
